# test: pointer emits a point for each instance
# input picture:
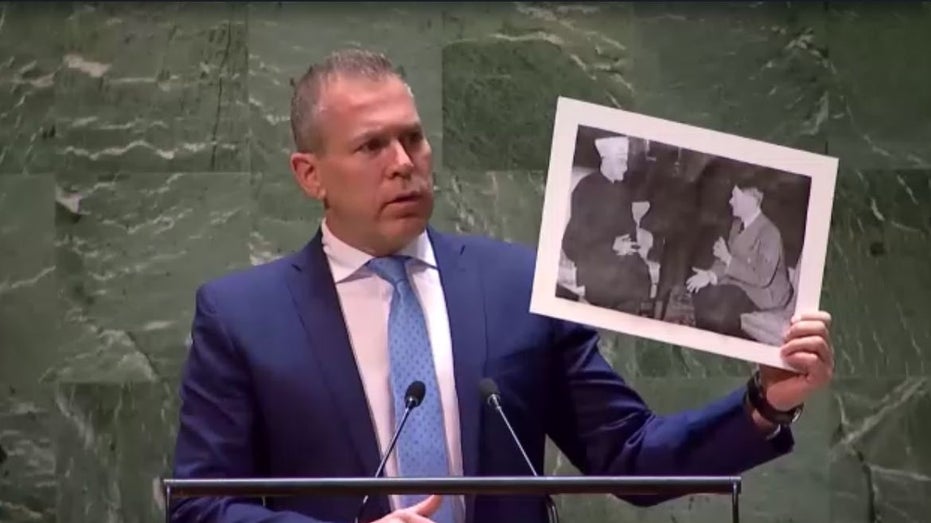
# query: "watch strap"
(757, 398)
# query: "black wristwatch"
(757, 399)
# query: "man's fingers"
(428, 506)
(821, 316)
(814, 369)
(416, 518)
(802, 361)
(816, 346)
(811, 363)
(419, 513)
(805, 328)
(405, 517)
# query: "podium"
(483, 485)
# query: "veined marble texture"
(143, 150)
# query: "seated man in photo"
(749, 273)
(600, 239)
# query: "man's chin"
(401, 230)
(411, 217)
(407, 227)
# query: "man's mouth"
(406, 197)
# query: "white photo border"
(570, 114)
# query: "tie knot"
(390, 268)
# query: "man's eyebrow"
(377, 131)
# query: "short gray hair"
(358, 63)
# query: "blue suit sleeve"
(216, 435)
(605, 428)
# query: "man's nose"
(401, 162)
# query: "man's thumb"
(428, 506)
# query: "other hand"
(644, 242)
(699, 280)
(623, 245)
(807, 348)
(720, 251)
(419, 513)
(567, 272)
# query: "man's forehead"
(342, 93)
(366, 107)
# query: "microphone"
(413, 397)
(492, 396)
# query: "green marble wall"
(143, 150)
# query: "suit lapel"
(462, 287)
(746, 235)
(314, 295)
(753, 230)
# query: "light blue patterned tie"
(421, 448)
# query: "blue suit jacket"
(270, 389)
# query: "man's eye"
(372, 145)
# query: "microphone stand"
(553, 514)
(411, 403)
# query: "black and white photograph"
(680, 234)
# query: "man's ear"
(307, 175)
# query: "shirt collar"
(347, 261)
(752, 218)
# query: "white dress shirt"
(365, 299)
(752, 218)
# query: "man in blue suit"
(298, 366)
